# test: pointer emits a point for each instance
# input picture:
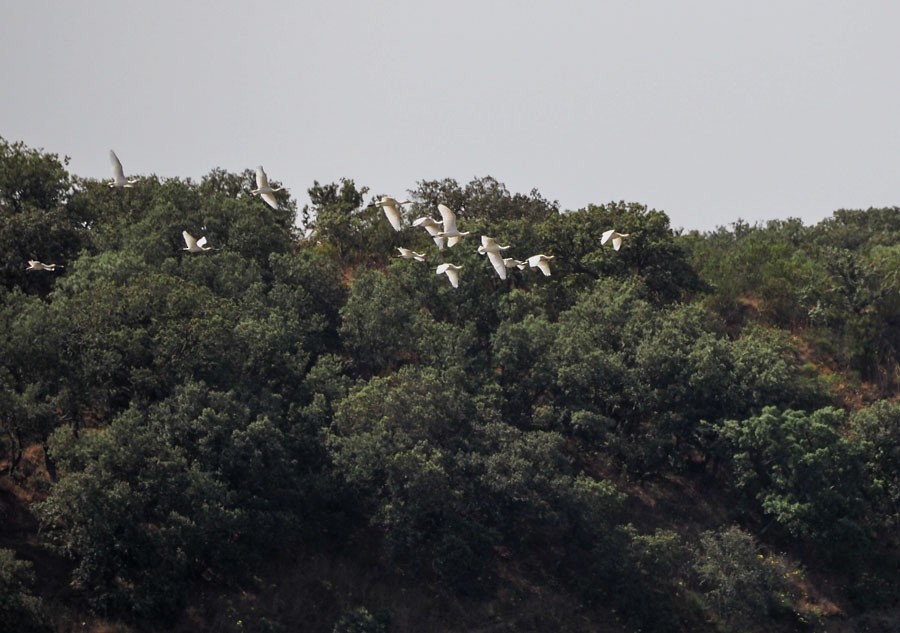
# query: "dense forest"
(303, 431)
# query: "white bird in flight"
(452, 272)
(490, 248)
(392, 209)
(541, 261)
(511, 262)
(264, 190)
(434, 228)
(194, 245)
(616, 238)
(119, 179)
(450, 231)
(34, 264)
(405, 253)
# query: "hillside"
(267, 431)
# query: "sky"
(710, 110)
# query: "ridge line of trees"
(202, 415)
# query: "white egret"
(450, 231)
(34, 264)
(434, 228)
(264, 190)
(119, 179)
(541, 261)
(616, 238)
(194, 245)
(391, 208)
(452, 273)
(511, 262)
(490, 248)
(405, 253)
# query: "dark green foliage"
(485, 201)
(20, 610)
(860, 311)
(761, 267)
(661, 555)
(534, 490)
(571, 442)
(741, 585)
(877, 430)
(805, 475)
(307, 284)
(838, 279)
(442, 482)
(769, 371)
(522, 355)
(642, 380)
(381, 323)
(30, 178)
(854, 229)
(35, 220)
(344, 224)
(395, 438)
(651, 251)
(153, 500)
(30, 337)
(359, 620)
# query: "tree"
(340, 220)
(805, 475)
(855, 229)
(20, 610)
(651, 251)
(522, 355)
(198, 483)
(35, 220)
(31, 178)
(744, 587)
(120, 510)
(30, 341)
(486, 201)
(393, 438)
(876, 429)
(762, 271)
(381, 322)
(359, 620)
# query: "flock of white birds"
(192, 244)
(444, 232)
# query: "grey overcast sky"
(710, 110)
